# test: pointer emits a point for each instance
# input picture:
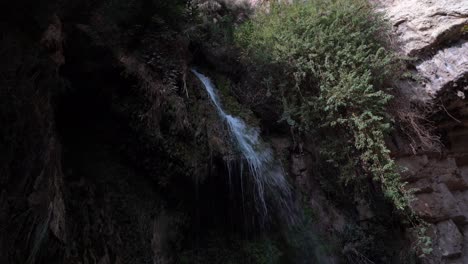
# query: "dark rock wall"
(76, 186)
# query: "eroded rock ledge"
(434, 33)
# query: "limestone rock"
(422, 24)
(448, 65)
(432, 32)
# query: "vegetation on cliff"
(331, 67)
(125, 159)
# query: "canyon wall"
(112, 153)
(433, 35)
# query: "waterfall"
(270, 185)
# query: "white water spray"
(268, 176)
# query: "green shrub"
(331, 69)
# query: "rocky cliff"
(434, 34)
(111, 152)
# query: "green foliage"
(331, 68)
(222, 30)
(233, 251)
(262, 252)
(369, 244)
(464, 29)
(214, 22)
(424, 241)
(230, 103)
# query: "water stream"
(271, 190)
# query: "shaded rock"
(455, 181)
(411, 166)
(421, 186)
(461, 199)
(438, 206)
(464, 257)
(449, 239)
(364, 210)
(457, 138)
(416, 168)
(298, 165)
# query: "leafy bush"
(331, 68)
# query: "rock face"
(447, 66)
(450, 239)
(433, 32)
(421, 25)
(425, 29)
(440, 183)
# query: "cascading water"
(267, 175)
